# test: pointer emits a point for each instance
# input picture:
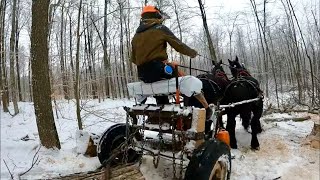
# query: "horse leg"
(231, 126)
(257, 113)
(219, 119)
(256, 126)
(208, 132)
(245, 116)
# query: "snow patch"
(82, 141)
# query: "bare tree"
(209, 40)
(62, 56)
(106, 60)
(12, 59)
(77, 75)
(3, 81)
(17, 52)
(40, 75)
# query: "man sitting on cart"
(149, 46)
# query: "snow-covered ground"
(283, 154)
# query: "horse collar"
(243, 73)
(221, 75)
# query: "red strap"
(243, 73)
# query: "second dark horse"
(243, 87)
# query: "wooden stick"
(239, 103)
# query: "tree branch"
(8, 168)
(35, 160)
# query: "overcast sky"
(220, 12)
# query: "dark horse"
(214, 84)
(243, 87)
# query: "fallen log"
(271, 110)
(295, 119)
(128, 172)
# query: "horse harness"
(241, 79)
(211, 82)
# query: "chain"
(173, 145)
(157, 159)
(127, 139)
(182, 148)
(142, 134)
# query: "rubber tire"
(110, 140)
(204, 158)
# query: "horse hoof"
(259, 130)
(255, 148)
(233, 146)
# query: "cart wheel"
(112, 139)
(211, 161)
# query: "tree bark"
(123, 69)
(77, 79)
(62, 56)
(40, 75)
(205, 25)
(3, 82)
(70, 49)
(17, 55)
(17, 62)
(13, 87)
(106, 61)
(182, 60)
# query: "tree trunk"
(91, 59)
(17, 66)
(3, 83)
(123, 74)
(30, 79)
(70, 49)
(17, 55)
(62, 64)
(77, 79)
(106, 61)
(210, 43)
(182, 60)
(12, 59)
(40, 75)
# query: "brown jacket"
(150, 43)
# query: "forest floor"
(284, 151)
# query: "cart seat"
(188, 85)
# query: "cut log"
(314, 136)
(91, 148)
(85, 143)
(316, 129)
(295, 119)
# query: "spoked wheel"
(114, 148)
(211, 161)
